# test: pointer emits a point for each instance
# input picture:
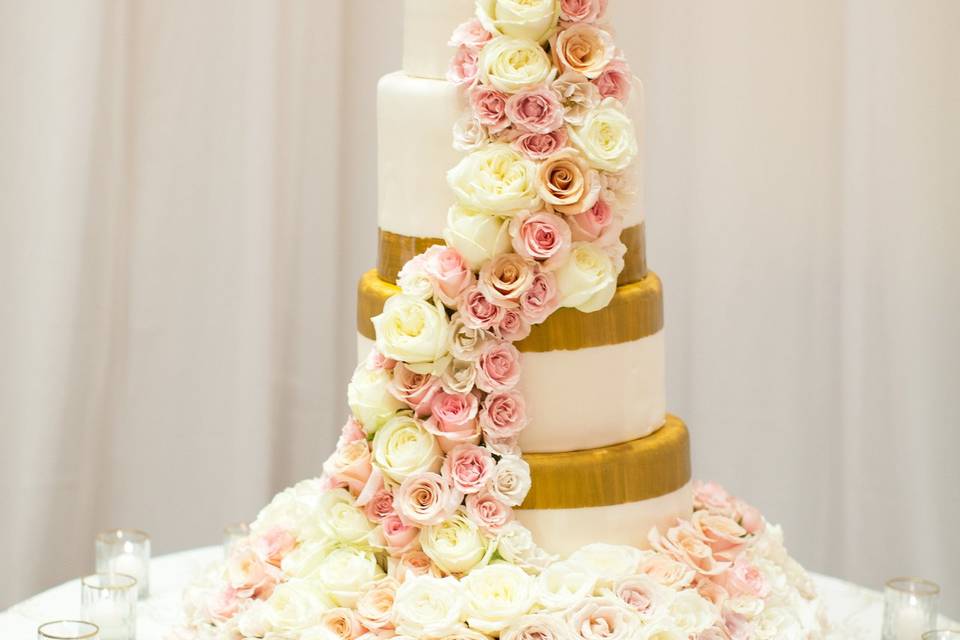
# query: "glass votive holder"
(110, 601)
(232, 534)
(910, 608)
(68, 630)
(125, 551)
(942, 634)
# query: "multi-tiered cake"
(509, 470)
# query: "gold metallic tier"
(635, 312)
(395, 250)
(629, 472)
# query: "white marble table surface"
(854, 612)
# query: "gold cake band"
(624, 473)
(635, 312)
(395, 250)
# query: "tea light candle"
(111, 619)
(910, 608)
(911, 623)
(125, 551)
(129, 564)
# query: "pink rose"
(713, 633)
(535, 111)
(416, 389)
(470, 34)
(274, 544)
(594, 223)
(615, 81)
(667, 571)
(684, 544)
(540, 146)
(513, 327)
(380, 506)
(503, 416)
(498, 367)
(463, 67)
(477, 311)
(710, 495)
(745, 579)
(582, 10)
(350, 465)
(721, 533)
(469, 468)
(449, 272)
(375, 604)
(224, 605)
(350, 432)
(541, 299)
(399, 537)
(342, 623)
(490, 108)
(453, 419)
(750, 518)
(488, 513)
(504, 279)
(544, 237)
(412, 564)
(426, 499)
(377, 360)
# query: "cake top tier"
(427, 28)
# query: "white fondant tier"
(415, 151)
(563, 531)
(589, 398)
(427, 26)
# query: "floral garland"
(410, 532)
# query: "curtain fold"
(187, 198)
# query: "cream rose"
(691, 612)
(644, 595)
(607, 137)
(511, 480)
(514, 64)
(609, 562)
(375, 604)
(478, 236)
(564, 584)
(515, 545)
(525, 19)
(588, 280)
(341, 521)
(603, 619)
(538, 626)
(583, 48)
(496, 595)
(412, 330)
(496, 179)
(403, 447)
(342, 623)
(578, 95)
(294, 606)
(567, 183)
(370, 399)
(456, 545)
(429, 607)
(344, 572)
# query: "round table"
(854, 612)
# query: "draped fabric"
(187, 198)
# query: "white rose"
(607, 137)
(318, 633)
(465, 633)
(253, 621)
(478, 236)
(370, 400)
(341, 521)
(609, 562)
(344, 572)
(644, 595)
(564, 584)
(285, 511)
(664, 630)
(495, 179)
(412, 330)
(778, 622)
(525, 19)
(587, 281)
(413, 279)
(305, 558)
(603, 619)
(402, 447)
(294, 606)
(691, 612)
(515, 545)
(538, 626)
(747, 606)
(497, 594)
(511, 480)
(429, 607)
(512, 64)
(468, 134)
(456, 545)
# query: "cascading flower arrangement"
(410, 532)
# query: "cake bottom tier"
(563, 531)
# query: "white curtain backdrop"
(187, 198)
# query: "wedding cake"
(509, 469)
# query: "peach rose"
(490, 514)
(426, 499)
(567, 184)
(490, 108)
(615, 81)
(498, 367)
(342, 623)
(351, 431)
(469, 468)
(544, 237)
(684, 544)
(583, 48)
(413, 388)
(539, 146)
(667, 571)
(721, 533)
(535, 110)
(412, 564)
(505, 278)
(477, 311)
(273, 544)
(375, 604)
(541, 299)
(350, 465)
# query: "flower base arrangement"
(410, 533)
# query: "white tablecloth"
(854, 612)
